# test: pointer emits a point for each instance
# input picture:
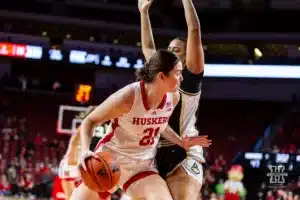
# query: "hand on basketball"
(86, 155)
(144, 5)
(197, 140)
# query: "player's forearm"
(147, 36)
(191, 16)
(170, 135)
(74, 142)
(75, 139)
(72, 150)
(86, 134)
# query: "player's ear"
(160, 76)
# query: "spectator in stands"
(292, 148)
(297, 189)
(22, 152)
(23, 121)
(22, 132)
(46, 179)
(275, 149)
(14, 122)
(7, 129)
(54, 166)
(209, 178)
(38, 139)
(26, 183)
(12, 177)
(62, 145)
(221, 161)
(2, 165)
(219, 168)
(270, 196)
(5, 187)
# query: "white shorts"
(132, 170)
(68, 172)
(196, 152)
(192, 167)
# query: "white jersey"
(68, 172)
(190, 104)
(188, 118)
(184, 116)
(137, 133)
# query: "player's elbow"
(88, 123)
(195, 67)
(196, 71)
(194, 28)
(148, 53)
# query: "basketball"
(102, 174)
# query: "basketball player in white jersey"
(181, 169)
(139, 113)
(68, 169)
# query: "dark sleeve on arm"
(191, 82)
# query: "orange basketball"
(102, 174)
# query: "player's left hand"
(85, 156)
(144, 5)
(203, 141)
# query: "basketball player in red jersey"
(182, 170)
(139, 113)
(68, 170)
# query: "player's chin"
(175, 89)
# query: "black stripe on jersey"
(174, 120)
(191, 83)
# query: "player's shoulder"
(126, 95)
(128, 92)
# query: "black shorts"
(168, 158)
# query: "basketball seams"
(93, 174)
(100, 173)
(85, 173)
(108, 169)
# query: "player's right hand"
(144, 5)
(85, 155)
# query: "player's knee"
(154, 196)
(183, 186)
(159, 192)
(146, 197)
(150, 188)
(83, 193)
